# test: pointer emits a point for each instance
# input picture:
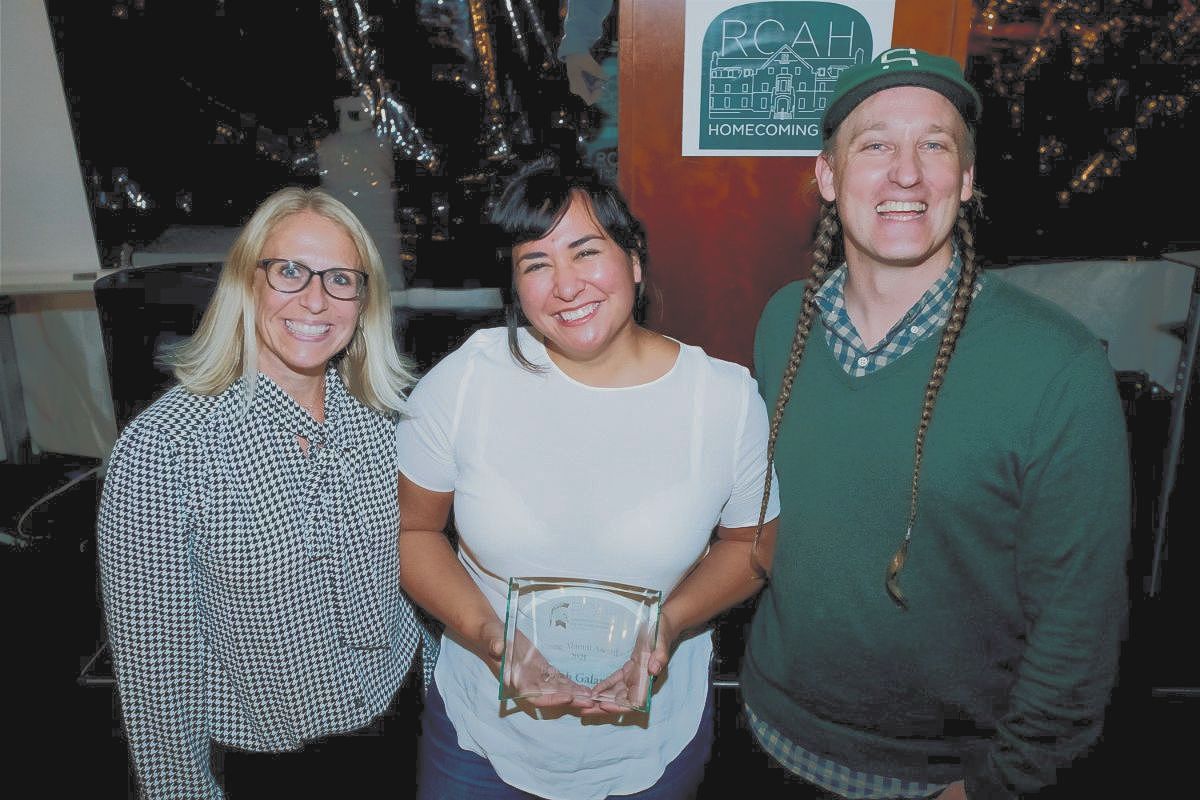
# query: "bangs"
(534, 210)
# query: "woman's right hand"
(528, 676)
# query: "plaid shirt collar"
(927, 316)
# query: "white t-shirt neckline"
(535, 350)
(553, 477)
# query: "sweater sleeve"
(143, 541)
(1071, 553)
(758, 359)
(773, 339)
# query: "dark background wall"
(1046, 117)
(208, 106)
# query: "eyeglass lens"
(292, 276)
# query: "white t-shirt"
(553, 477)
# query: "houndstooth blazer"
(251, 591)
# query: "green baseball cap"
(900, 66)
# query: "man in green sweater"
(948, 590)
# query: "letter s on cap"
(889, 57)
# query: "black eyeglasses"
(288, 276)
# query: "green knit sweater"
(1001, 668)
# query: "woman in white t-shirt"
(576, 443)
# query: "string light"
(495, 132)
(1051, 149)
(518, 34)
(360, 62)
(1088, 31)
(539, 31)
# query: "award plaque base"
(567, 636)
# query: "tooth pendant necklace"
(316, 410)
(316, 406)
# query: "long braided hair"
(825, 241)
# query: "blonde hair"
(825, 245)
(225, 346)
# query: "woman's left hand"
(955, 791)
(628, 686)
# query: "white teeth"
(579, 313)
(898, 205)
(306, 330)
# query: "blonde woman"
(247, 531)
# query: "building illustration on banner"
(784, 86)
(768, 70)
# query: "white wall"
(1130, 304)
(68, 403)
(46, 233)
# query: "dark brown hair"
(535, 201)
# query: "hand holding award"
(590, 638)
(525, 674)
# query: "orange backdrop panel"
(724, 232)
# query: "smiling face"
(298, 333)
(577, 286)
(901, 168)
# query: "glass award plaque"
(585, 639)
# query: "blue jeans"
(447, 772)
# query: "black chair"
(142, 310)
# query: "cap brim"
(963, 100)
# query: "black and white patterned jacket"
(251, 591)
